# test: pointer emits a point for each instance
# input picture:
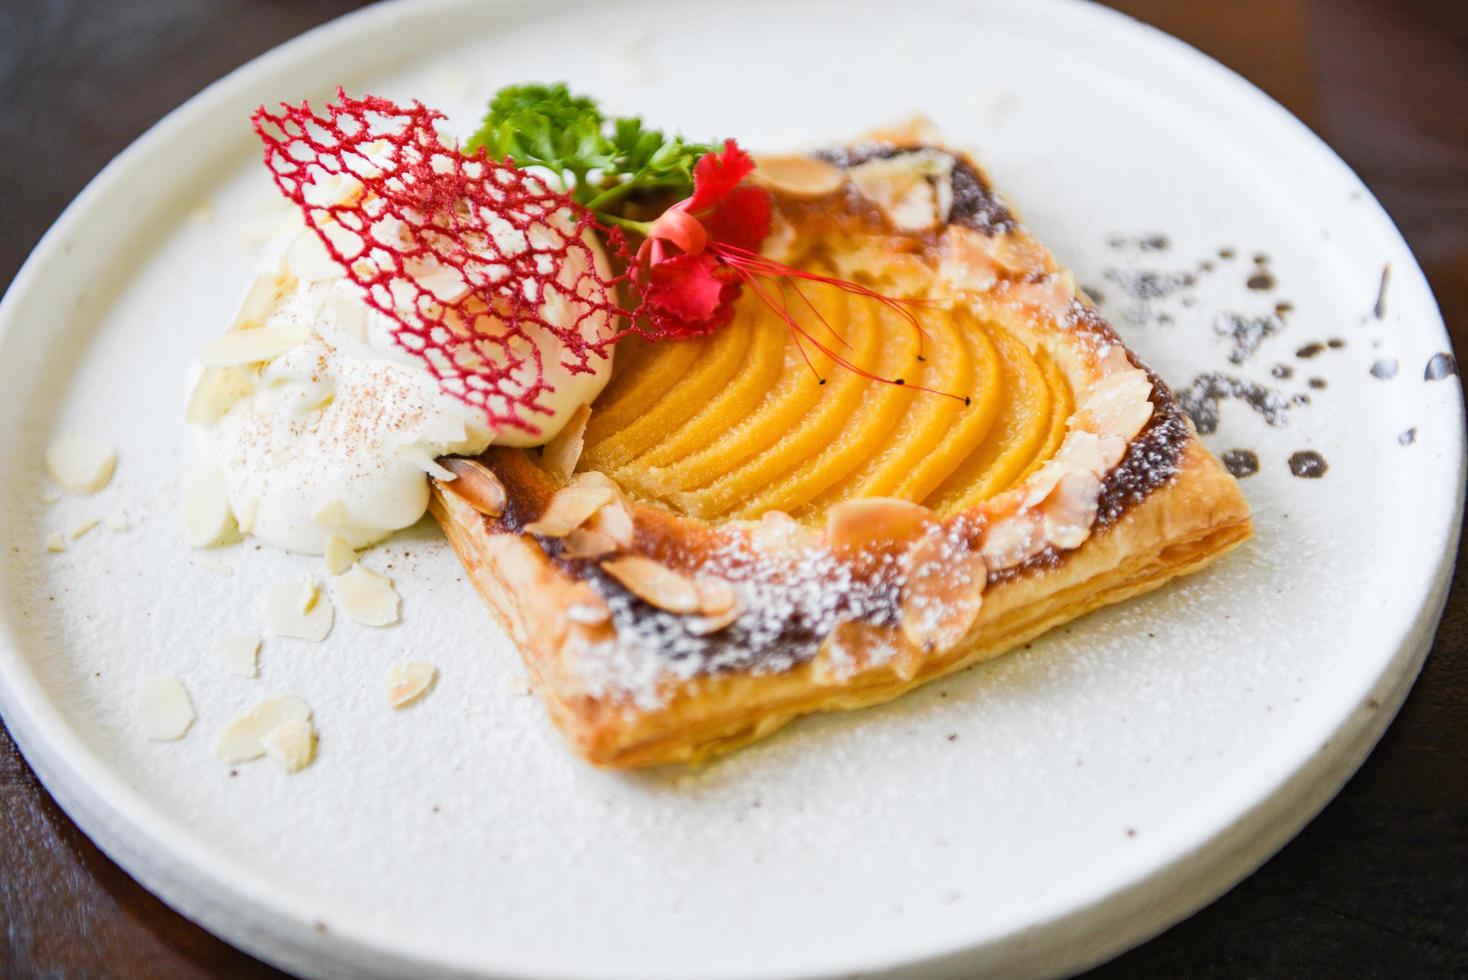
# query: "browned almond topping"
(568, 509)
(709, 624)
(715, 597)
(874, 522)
(615, 521)
(799, 176)
(587, 607)
(654, 583)
(585, 543)
(943, 593)
(562, 453)
(476, 485)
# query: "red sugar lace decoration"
(477, 263)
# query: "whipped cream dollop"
(326, 426)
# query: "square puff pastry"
(656, 634)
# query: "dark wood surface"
(1377, 885)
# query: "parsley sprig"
(600, 160)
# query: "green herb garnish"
(600, 160)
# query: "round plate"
(1030, 816)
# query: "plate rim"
(189, 878)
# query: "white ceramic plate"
(1031, 816)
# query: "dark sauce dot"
(1260, 258)
(1335, 343)
(1241, 462)
(1317, 383)
(1300, 399)
(1155, 242)
(967, 401)
(1408, 437)
(821, 380)
(1207, 265)
(922, 359)
(1282, 371)
(1308, 464)
(898, 381)
(1283, 307)
(1440, 366)
(1165, 319)
(1310, 350)
(1384, 368)
(1260, 281)
(1226, 253)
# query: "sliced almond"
(80, 463)
(798, 175)
(654, 583)
(1118, 404)
(339, 555)
(309, 261)
(240, 654)
(594, 478)
(584, 543)
(778, 531)
(255, 307)
(852, 648)
(874, 522)
(1070, 510)
(476, 485)
(216, 392)
(164, 708)
(292, 744)
(1013, 539)
(243, 738)
(408, 682)
(246, 513)
(56, 542)
(366, 597)
(84, 527)
(568, 509)
(118, 521)
(214, 565)
(563, 452)
(942, 594)
(587, 607)
(710, 623)
(251, 346)
(715, 596)
(615, 521)
(293, 609)
(207, 518)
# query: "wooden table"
(1377, 885)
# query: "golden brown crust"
(1066, 540)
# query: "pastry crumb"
(82, 528)
(55, 543)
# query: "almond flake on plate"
(164, 708)
(292, 745)
(293, 609)
(84, 527)
(408, 682)
(80, 463)
(55, 543)
(206, 515)
(339, 555)
(118, 521)
(243, 738)
(241, 654)
(366, 597)
(563, 452)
